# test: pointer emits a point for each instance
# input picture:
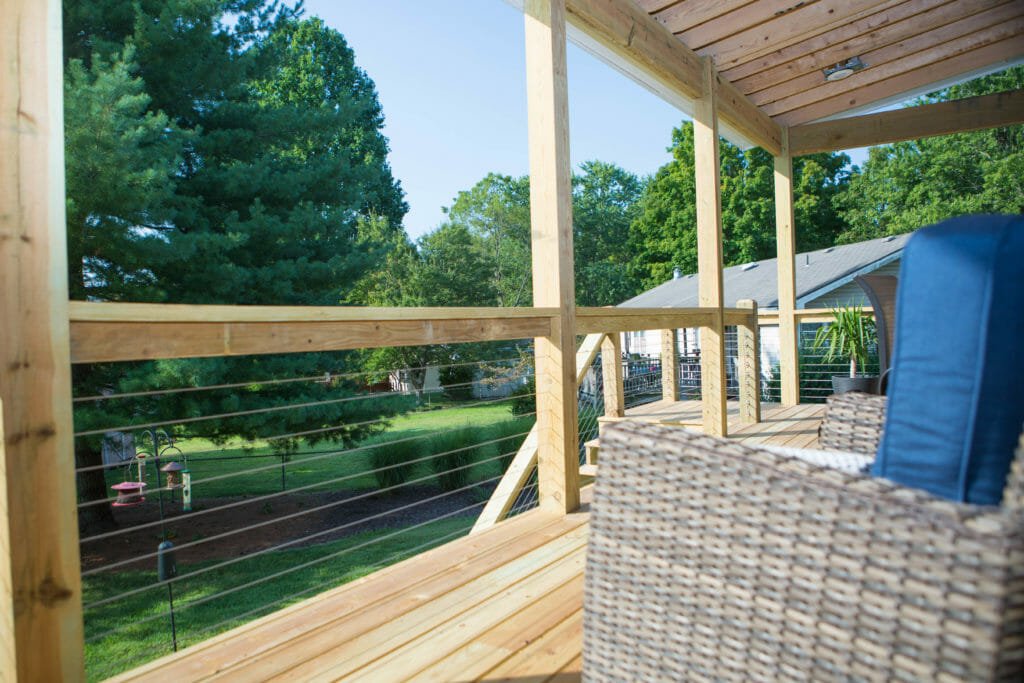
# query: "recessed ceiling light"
(843, 69)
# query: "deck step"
(591, 448)
(588, 470)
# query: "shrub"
(524, 400)
(456, 450)
(394, 463)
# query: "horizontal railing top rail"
(805, 315)
(114, 332)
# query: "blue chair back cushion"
(956, 392)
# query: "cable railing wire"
(259, 499)
(293, 435)
(283, 572)
(327, 375)
(277, 466)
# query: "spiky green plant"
(847, 338)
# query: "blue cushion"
(956, 393)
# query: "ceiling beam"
(634, 42)
(926, 120)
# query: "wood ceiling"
(774, 51)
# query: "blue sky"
(451, 79)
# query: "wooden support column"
(611, 371)
(748, 344)
(785, 240)
(669, 366)
(709, 255)
(42, 599)
(551, 240)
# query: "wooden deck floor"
(503, 604)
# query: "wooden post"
(611, 371)
(669, 366)
(709, 255)
(785, 240)
(748, 346)
(40, 524)
(551, 230)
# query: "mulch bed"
(275, 518)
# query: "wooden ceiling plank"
(927, 48)
(685, 15)
(738, 20)
(889, 27)
(886, 13)
(990, 55)
(805, 21)
(651, 6)
(887, 54)
(911, 123)
(622, 28)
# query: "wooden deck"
(503, 604)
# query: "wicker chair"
(713, 561)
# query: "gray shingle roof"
(814, 271)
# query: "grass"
(240, 468)
(129, 632)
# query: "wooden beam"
(35, 372)
(989, 57)
(87, 311)
(748, 345)
(912, 123)
(637, 42)
(551, 229)
(611, 372)
(785, 244)
(608, 320)
(669, 366)
(709, 255)
(8, 655)
(112, 341)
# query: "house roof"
(817, 272)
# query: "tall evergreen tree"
(245, 155)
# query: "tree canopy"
(664, 234)
(910, 184)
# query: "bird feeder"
(129, 494)
(173, 471)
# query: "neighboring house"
(824, 279)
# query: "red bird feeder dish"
(129, 494)
(173, 471)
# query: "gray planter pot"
(844, 383)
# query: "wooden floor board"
(505, 604)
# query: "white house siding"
(850, 294)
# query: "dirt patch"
(213, 531)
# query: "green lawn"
(129, 632)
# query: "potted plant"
(848, 338)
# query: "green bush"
(508, 436)
(456, 450)
(394, 463)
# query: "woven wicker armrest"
(853, 422)
(709, 560)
